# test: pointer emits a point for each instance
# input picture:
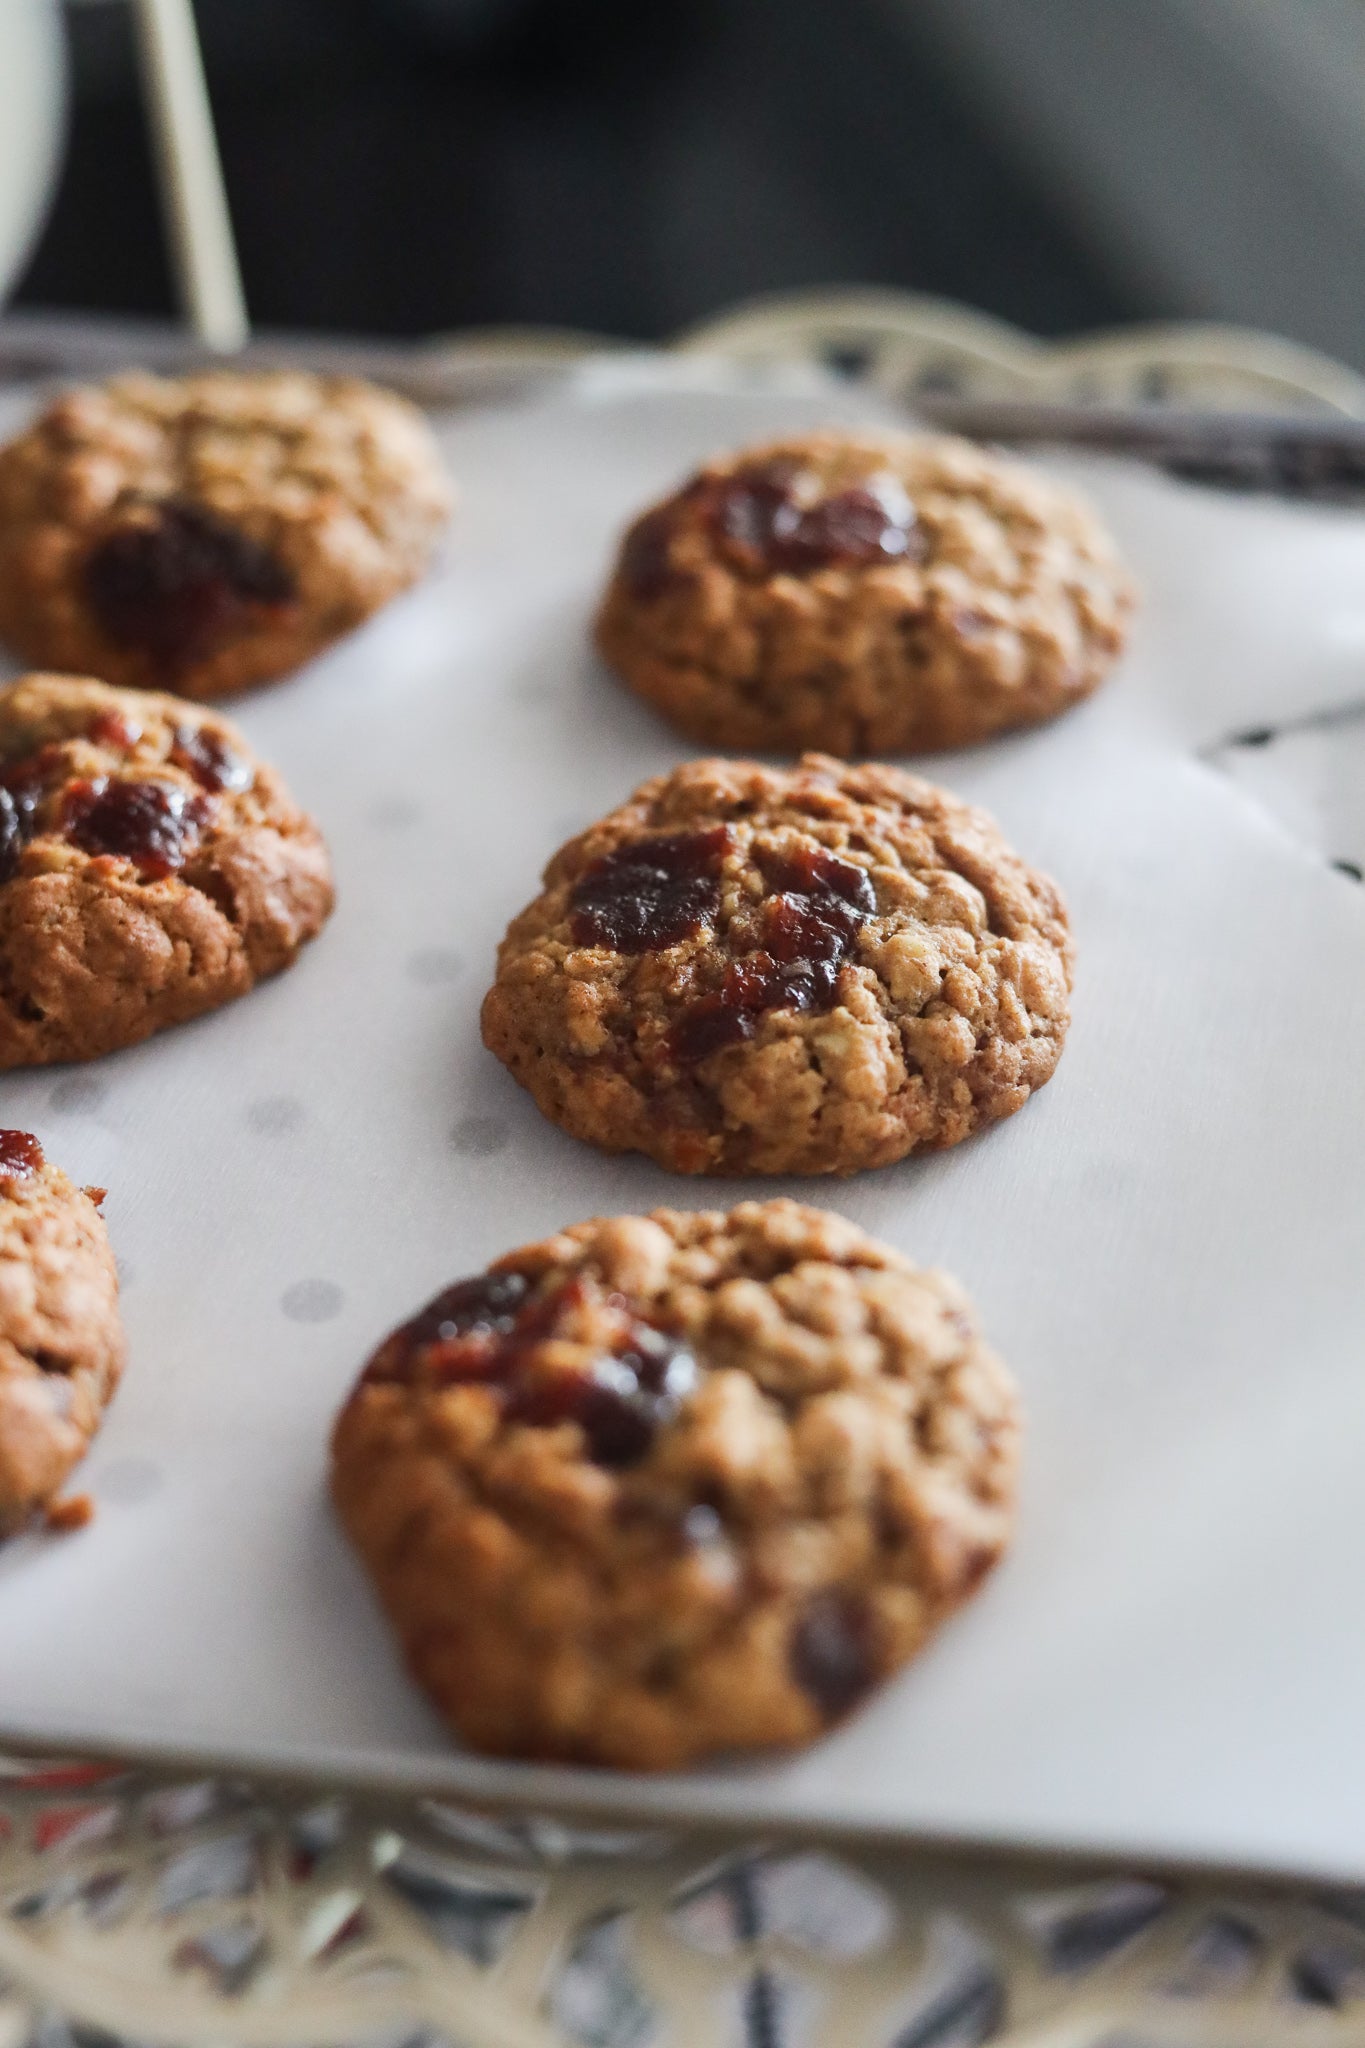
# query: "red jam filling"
(764, 516)
(761, 509)
(24, 784)
(650, 894)
(488, 1332)
(206, 756)
(20, 1155)
(155, 825)
(179, 585)
(810, 924)
(112, 730)
(13, 833)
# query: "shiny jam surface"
(111, 729)
(180, 585)
(24, 783)
(488, 1332)
(206, 756)
(651, 893)
(832, 1653)
(20, 1155)
(770, 524)
(810, 923)
(156, 825)
(762, 509)
(12, 833)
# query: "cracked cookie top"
(815, 969)
(869, 594)
(203, 533)
(150, 867)
(669, 1485)
(61, 1340)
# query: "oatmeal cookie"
(203, 533)
(667, 1486)
(869, 594)
(150, 868)
(801, 970)
(61, 1340)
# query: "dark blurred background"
(625, 166)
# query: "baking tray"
(1167, 1244)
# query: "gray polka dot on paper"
(77, 1095)
(394, 814)
(126, 1274)
(312, 1301)
(128, 1481)
(435, 964)
(479, 1137)
(276, 1113)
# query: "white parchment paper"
(1168, 1244)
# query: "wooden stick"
(195, 203)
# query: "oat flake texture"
(926, 1000)
(864, 593)
(61, 1340)
(203, 533)
(151, 868)
(672, 1485)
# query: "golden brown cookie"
(868, 594)
(203, 533)
(61, 1340)
(672, 1485)
(150, 868)
(801, 970)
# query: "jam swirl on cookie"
(177, 582)
(654, 893)
(624, 1384)
(771, 518)
(809, 926)
(651, 893)
(154, 824)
